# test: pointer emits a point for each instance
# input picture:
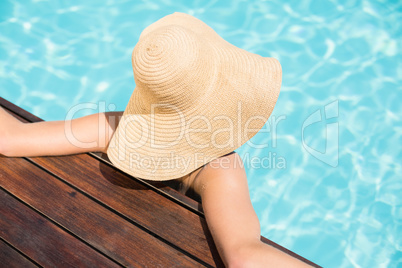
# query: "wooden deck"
(80, 211)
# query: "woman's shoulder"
(226, 170)
(228, 163)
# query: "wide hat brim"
(197, 97)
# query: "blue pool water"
(329, 186)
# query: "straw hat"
(197, 97)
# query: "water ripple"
(54, 55)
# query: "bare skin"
(222, 183)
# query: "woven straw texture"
(197, 97)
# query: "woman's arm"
(222, 185)
(86, 134)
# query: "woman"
(197, 99)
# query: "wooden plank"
(162, 187)
(136, 201)
(112, 187)
(189, 200)
(189, 203)
(11, 258)
(19, 111)
(87, 219)
(43, 241)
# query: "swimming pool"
(329, 186)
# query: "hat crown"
(218, 93)
(168, 64)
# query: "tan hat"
(197, 97)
